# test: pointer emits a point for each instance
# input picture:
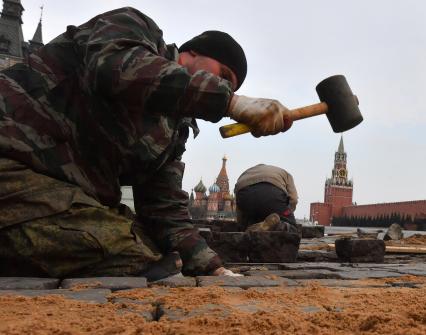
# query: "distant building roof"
(38, 35)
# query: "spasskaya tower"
(338, 191)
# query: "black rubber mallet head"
(342, 105)
(337, 102)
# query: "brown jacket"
(274, 175)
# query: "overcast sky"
(379, 45)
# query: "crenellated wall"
(407, 208)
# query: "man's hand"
(263, 116)
(225, 272)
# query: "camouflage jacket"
(106, 104)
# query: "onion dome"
(214, 188)
(200, 188)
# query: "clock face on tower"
(342, 173)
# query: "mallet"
(338, 103)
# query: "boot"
(268, 224)
(169, 265)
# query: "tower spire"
(341, 149)
(37, 40)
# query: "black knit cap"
(221, 47)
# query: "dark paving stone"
(242, 267)
(171, 314)
(346, 270)
(349, 271)
(404, 258)
(242, 282)
(150, 300)
(175, 281)
(299, 229)
(364, 274)
(312, 265)
(375, 266)
(111, 283)
(361, 233)
(312, 231)
(316, 256)
(406, 284)
(252, 308)
(273, 247)
(218, 311)
(360, 250)
(298, 274)
(200, 222)
(227, 225)
(21, 283)
(177, 314)
(418, 269)
(206, 233)
(145, 308)
(231, 247)
(147, 315)
(92, 295)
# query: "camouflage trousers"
(85, 239)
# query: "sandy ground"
(312, 309)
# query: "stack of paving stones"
(305, 231)
(309, 231)
(232, 245)
(255, 247)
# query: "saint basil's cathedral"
(219, 203)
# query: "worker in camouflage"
(103, 105)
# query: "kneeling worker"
(108, 104)
(266, 199)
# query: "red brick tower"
(338, 191)
(222, 181)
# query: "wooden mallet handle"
(236, 129)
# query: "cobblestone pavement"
(168, 299)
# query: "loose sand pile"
(312, 309)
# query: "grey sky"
(379, 45)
